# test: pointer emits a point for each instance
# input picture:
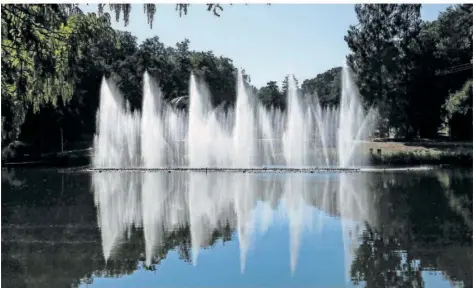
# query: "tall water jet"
(267, 135)
(116, 141)
(295, 135)
(209, 140)
(244, 134)
(198, 138)
(353, 124)
(175, 126)
(153, 144)
(321, 129)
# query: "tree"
(372, 50)
(443, 43)
(219, 73)
(458, 109)
(75, 118)
(383, 30)
(183, 67)
(327, 86)
(150, 10)
(270, 95)
(40, 44)
(407, 24)
(396, 58)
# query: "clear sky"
(267, 41)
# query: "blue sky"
(267, 41)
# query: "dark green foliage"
(459, 114)
(327, 86)
(422, 225)
(397, 58)
(270, 95)
(41, 45)
(150, 10)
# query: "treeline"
(54, 58)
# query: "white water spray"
(251, 135)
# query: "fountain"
(246, 136)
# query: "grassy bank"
(463, 159)
(420, 153)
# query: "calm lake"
(182, 229)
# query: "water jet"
(246, 136)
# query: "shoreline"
(392, 153)
(271, 170)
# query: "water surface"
(180, 229)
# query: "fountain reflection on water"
(249, 135)
(205, 202)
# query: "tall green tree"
(382, 57)
(40, 44)
(373, 50)
(271, 95)
(442, 45)
(397, 58)
(327, 86)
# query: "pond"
(183, 229)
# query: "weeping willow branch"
(150, 11)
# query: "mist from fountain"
(248, 135)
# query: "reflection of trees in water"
(418, 230)
(50, 236)
(379, 262)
